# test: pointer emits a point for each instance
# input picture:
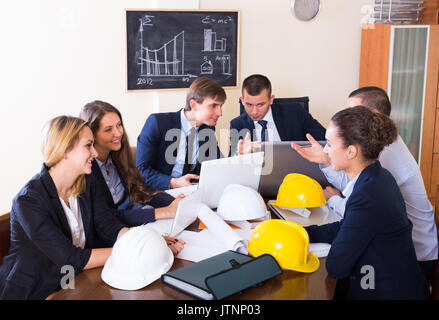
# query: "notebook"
(222, 275)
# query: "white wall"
(57, 55)
(319, 58)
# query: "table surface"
(290, 285)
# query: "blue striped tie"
(263, 124)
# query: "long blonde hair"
(60, 137)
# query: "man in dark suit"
(264, 120)
(171, 146)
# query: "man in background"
(171, 146)
(264, 120)
(396, 158)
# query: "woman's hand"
(175, 244)
(314, 153)
(169, 211)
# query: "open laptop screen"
(281, 159)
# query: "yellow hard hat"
(299, 191)
(287, 242)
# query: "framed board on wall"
(170, 49)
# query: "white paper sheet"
(185, 190)
(199, 246)
(320, 249)
(220, 230)
(162, 226)
(303, 212)
(217, 238)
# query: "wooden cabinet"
(434, 186)
(379, 54)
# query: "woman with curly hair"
(372, 253)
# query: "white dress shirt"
(397, 158)
(74, 219)
(186, 126)
(112, 178)
(273, 134)
(337, 203)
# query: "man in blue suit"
(264, 120)
(171, 146)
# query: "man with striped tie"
(172, 145)
(264, 120)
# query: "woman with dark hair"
(372, 253)
(115, 169)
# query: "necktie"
(189, 151)
(264, 136)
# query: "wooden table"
(290, 285)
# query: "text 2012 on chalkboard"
(170, 49)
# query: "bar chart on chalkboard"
(168, 60)
(211, 43)
(170, 49)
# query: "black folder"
(222, 275)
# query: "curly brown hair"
(138, 192)
(371, 131)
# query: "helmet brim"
(312, 264)
(314, 205)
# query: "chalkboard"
(170, 49)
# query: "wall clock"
(305, 10)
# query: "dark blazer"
(159, 139)
(41, 241)
(374, 233)
(291, 120)
(131, 215)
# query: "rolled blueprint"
(219, 229)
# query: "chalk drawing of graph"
(211, 43)
(226, 64)
(168, 60)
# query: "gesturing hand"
(314, 153)
(247, 146)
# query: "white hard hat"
(139, 257)
(239, 202)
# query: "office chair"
(5, 235)
(303, 101)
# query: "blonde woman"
(57, 216)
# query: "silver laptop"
(279, 160)
(217, 174)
